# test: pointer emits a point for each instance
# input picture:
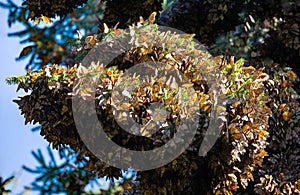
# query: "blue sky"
(16, 140)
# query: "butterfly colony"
(258, 149)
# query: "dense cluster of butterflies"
(255, 37)
(272, 30)
(259, 133)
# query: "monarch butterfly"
(44, 18)
(152, 17)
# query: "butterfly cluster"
(259, 131)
